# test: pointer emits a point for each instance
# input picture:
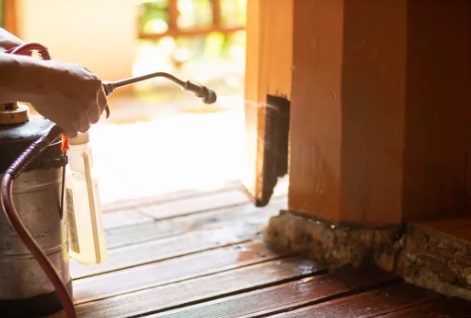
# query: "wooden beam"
(216, 9)
(173, 15)
(190, 32)
(9, 7)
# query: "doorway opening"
(160, 139)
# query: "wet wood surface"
(206, 258)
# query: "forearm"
(21, 78)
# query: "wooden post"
(348, 99)
(380, 139)
(381, 109)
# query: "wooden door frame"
(10, 19)
(267, 93)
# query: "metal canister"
(25, 290)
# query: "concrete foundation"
(423, 256)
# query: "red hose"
(20, 164)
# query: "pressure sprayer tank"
(25, 290)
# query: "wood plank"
(237, 231)
(198, 290)
(183, 202)
(287, 296)
(367, 304)
(454, 226)
(124, 218)
(444, 308)
(171, 271)
(174, 205)
(153, 251)
(170, 196)
(196, 204)
(200, 221)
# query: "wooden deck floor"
(201, 255)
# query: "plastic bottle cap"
(81, 139)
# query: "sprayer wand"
(208, 95)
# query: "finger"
(94, 113)
(102, 101)
(71, 133)
(84, 125)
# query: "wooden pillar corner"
(380, 137)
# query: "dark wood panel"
(437, 142)
(171, 271)
(459, 227)
(368, 304)
(310, 290)
(198, 290)
(445, 308)
(275, 146)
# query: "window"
(161, 18)
(175, 35)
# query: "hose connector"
(108, 87)
(208, 95)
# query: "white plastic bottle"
(85, 222)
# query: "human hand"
(72, 96)
(8, 41)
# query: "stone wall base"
(423, 256)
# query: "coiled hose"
(18, 166)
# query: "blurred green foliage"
(233, 13)
(2, 14)
(152, 15)
(192, 14)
